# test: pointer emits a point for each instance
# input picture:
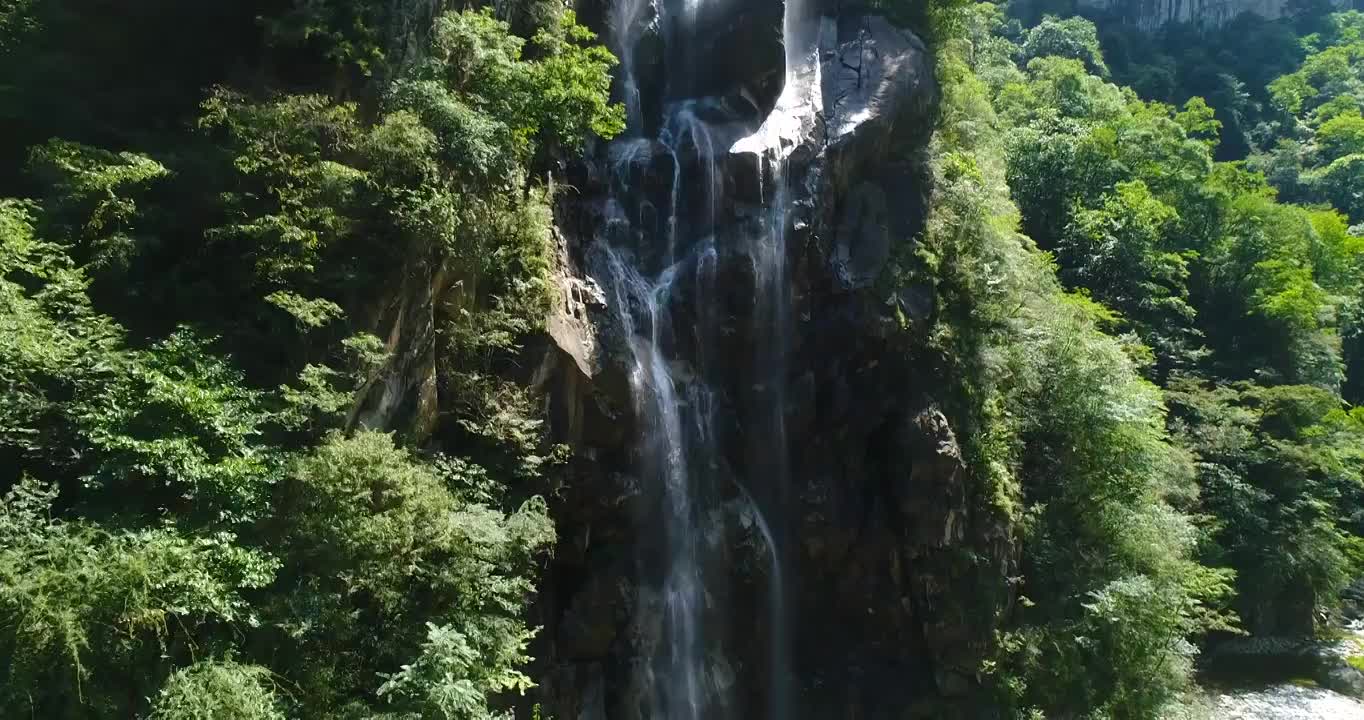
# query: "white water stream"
(657, 247)
(1279, 702)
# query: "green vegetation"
(195, 522)
(1148, 252)
(1319, 156)
(1154, 351)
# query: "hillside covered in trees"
(223, 222)
(194, 527)
(1231, 288)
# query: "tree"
(1122, 251)
(218, 690)
(193, 525)
(386, 566)
(1067, 440)
(1279, 485)
(1240, 300)
(1074, 37)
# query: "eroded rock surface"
(890, 579)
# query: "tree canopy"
(195, 523)
(1158, 345)
(1147, 249)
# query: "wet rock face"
(1282, 659)
(1152, 14)
(889, 578)
(740, 56)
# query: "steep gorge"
(675, 359)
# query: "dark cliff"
(888, 582)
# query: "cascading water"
(767, 510)
(665, 458)
(660, 245)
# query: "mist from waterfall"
(653, 249)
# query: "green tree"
(1239, 298)
(1074, 37)
(218, 690)
(1067, 440)
(1342, 135)
(90, 619)
(194, 526)
(1122, 251)
(384, 561)
(1279, 468)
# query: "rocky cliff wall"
(1154, 13)
(889, 579)
(1151, 14)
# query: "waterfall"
(661, 244)
(665, 459)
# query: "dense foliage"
(1148, 251)
(201, 514)
(1154, 345)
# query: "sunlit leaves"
(453, 677)
(92, 197)
(207, 534)
(292, 148)
(14, 19)
(378, 535)
(1072, 440)
(1156, 239)
(309, 313)
(1199, 120)
(218, 690)
(77, 600)
(1073, 37)
(1342, 135)
(170, 424)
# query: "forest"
(1148, 248)
(1191, 373)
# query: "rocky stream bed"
(1325, 686)
(1281, 702)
